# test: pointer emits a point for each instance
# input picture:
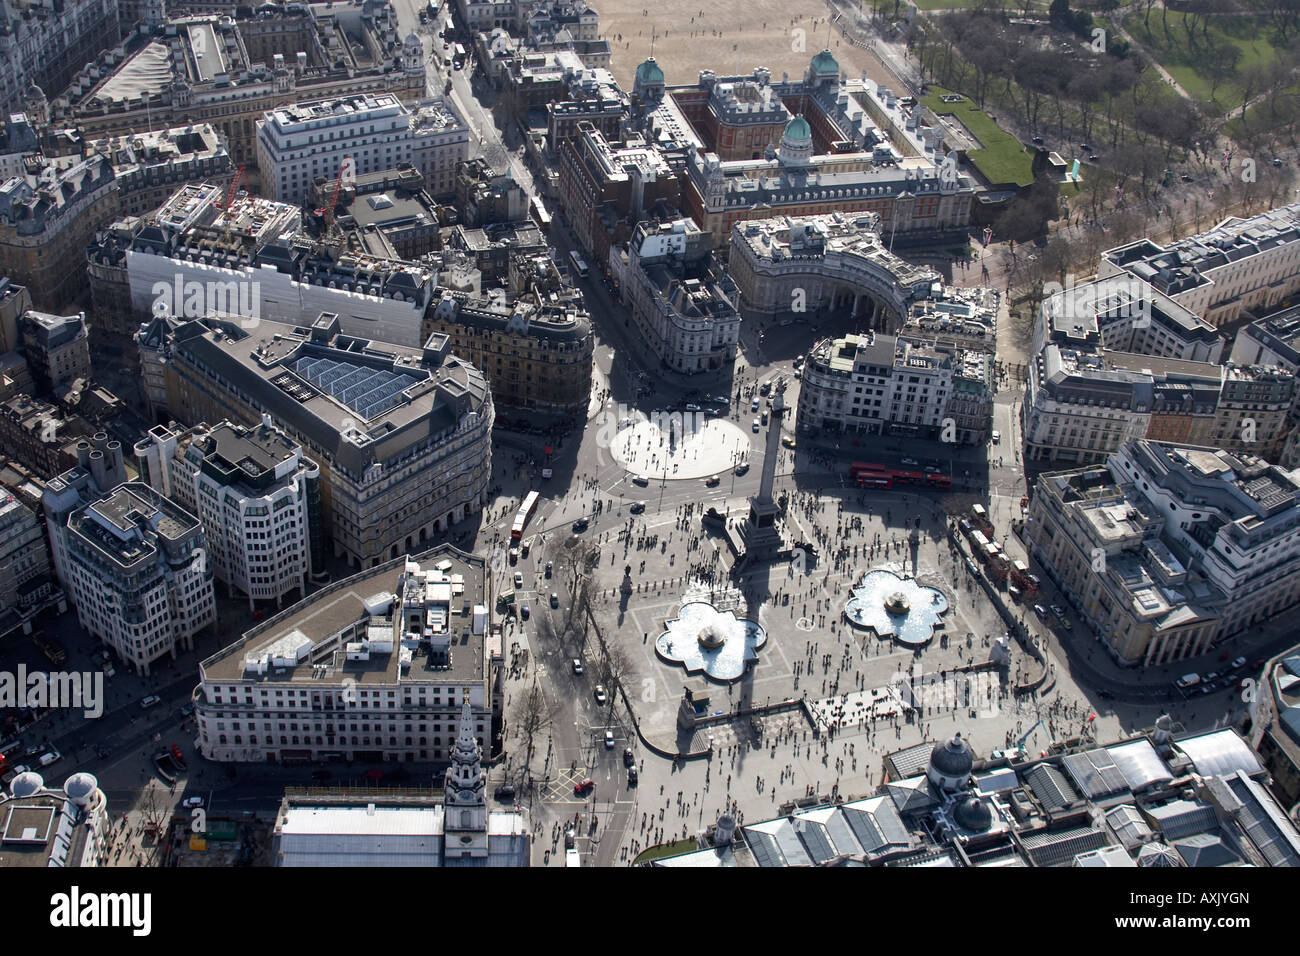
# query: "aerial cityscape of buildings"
(372, 372)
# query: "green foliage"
(1003, 159)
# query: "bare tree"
(531, 715)
(155, 812)
(580, 557)
(615, 665)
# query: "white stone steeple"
(465, 794)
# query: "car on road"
(971, 566)
(1058, 611)
(555, 600)
(756, 425)
(519, 580)
(1238, 663)
(996, 436)
(641, 480)
(910, 461)
(742, 468)
(584, 788)
(787, 441)
(600, 694)
(631, 776)
(629, 757)
(150, 701)
(505, 792)
(577, 666)
(637, 508)
(609, 740)
(765, 388)
(550, 565)
(1040, 611)
(49, 757)
(581, 525)
(187, 710)
(1065, 623)
(712, 482)
(692, 407)
(524, 612)
(189, 803)
(753, 405)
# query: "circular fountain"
(703, 639)
(895, 608)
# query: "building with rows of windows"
(402, 436)
(1168, 550)
(257, 496)
(1240, 266)
(870, 383)
(131, 561)
(365, 133)
(375, 667)
(1116, 360)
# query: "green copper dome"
(649, 72)
(823, 62)
(798, 130)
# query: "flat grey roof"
(341, 604)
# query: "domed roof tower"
(649, 81)
(950, 765)
(824, 70)
(796, 143)
(973, 815)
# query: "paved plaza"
(866, 695)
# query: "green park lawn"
(1003, 159)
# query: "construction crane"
(327, 212)
(234, 185)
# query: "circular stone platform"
(702, 446)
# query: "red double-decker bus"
(938, 481)
(862, 466)
(874, 479)
(907, 477)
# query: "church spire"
(466, 780)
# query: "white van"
(1187, 680)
